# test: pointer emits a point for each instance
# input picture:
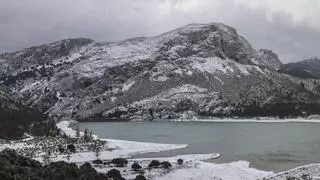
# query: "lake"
(267, 146)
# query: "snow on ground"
(186, 157)
(190, 161)
(262, 120)
(209, 171)
(121, 149)
(216, 64)
(312, 170)
(128, 85)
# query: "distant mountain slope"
(200, 70)
(309, 68)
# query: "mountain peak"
(199, 69)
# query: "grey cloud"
(33, 22)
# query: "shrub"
(61, 149)
(154, 164)
(114, 174)
(180, 161)
(71, 148)
(19, 167)
(140, 177)
(119, 162)
(135, 166)
(165, 165)
(86, 167)
(306, 177)
(97, 161)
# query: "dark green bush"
(20, 168)
(140, 177)
(71, 148)
(154, 164)
(135, 166)
(120, 162)
(114, 174)
(165, 165)
(97, 161)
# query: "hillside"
(200, 70)
(306, 69)
(17, 119)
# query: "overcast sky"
(289, 27)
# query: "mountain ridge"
(199, 70)
(307, 68)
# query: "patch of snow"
(216, 64)
(261, 71)
(313, 170)
(178, 71)
(262, 120)
(127, 86)
(113, 99)
(161, 78)
(219, 80)
(186, 88)
(209, 171)
(184, 91)
(212, 65)
(186, 157)
(255, 61)
(189, 73)
(243, 68)
(31, 86)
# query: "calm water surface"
(267, 146)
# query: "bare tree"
(90, 136)
(47, 158)
(68, 156)
(97, 148)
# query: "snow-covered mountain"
(200, 70)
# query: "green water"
(267, 146)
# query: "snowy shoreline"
(249, 120)
(123, 149)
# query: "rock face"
(200, 70)
(307, 69)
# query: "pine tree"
(77, 132)
(68, 156)
(86, 136)
(97, 148)
(90, 136)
